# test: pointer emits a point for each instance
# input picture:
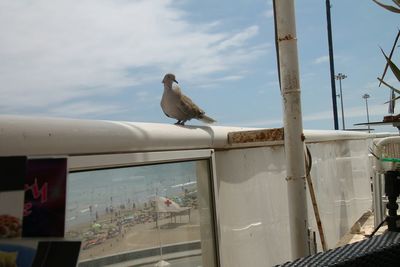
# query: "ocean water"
(93, 192)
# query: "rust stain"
(303, 137)
(292, 178)
(286, 38)
(274, 134)
(288, 178)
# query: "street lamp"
(366, 96)
(341, 77)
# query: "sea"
(91, 194)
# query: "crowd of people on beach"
(116, 221)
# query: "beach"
(111, 235)
(132, 208)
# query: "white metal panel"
(253, 198)
(253, 207)
(341, 175)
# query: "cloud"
(231, 78)
(353, 112)
(239, 38)
(85, 108)
(322, 59)
(257, 123)
(58, 51)
(147, 97)
(325, 59)
(269, 12)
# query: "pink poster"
(45, 192)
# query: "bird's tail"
(206, 119)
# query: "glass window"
(143, 214)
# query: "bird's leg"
(179, 122)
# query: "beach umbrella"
(163, 204)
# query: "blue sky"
(99, 59)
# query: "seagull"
(178, 106)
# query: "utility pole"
(332, 65)
(341, 77)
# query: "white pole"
(293, 125)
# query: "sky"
(105, 59)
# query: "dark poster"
(12, 175)
(57, 253)
(45, 192)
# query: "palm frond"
(388, 85)
(388, 7)
(393, 67)
(393, 99)
(390, 55)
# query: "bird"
(177, 105)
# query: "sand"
(143, 235)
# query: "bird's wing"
(186, 105)
(189, 108)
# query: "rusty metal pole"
(293, 124)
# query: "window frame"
(80, 163)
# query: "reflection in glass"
(160, 209)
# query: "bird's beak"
(176, 81)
